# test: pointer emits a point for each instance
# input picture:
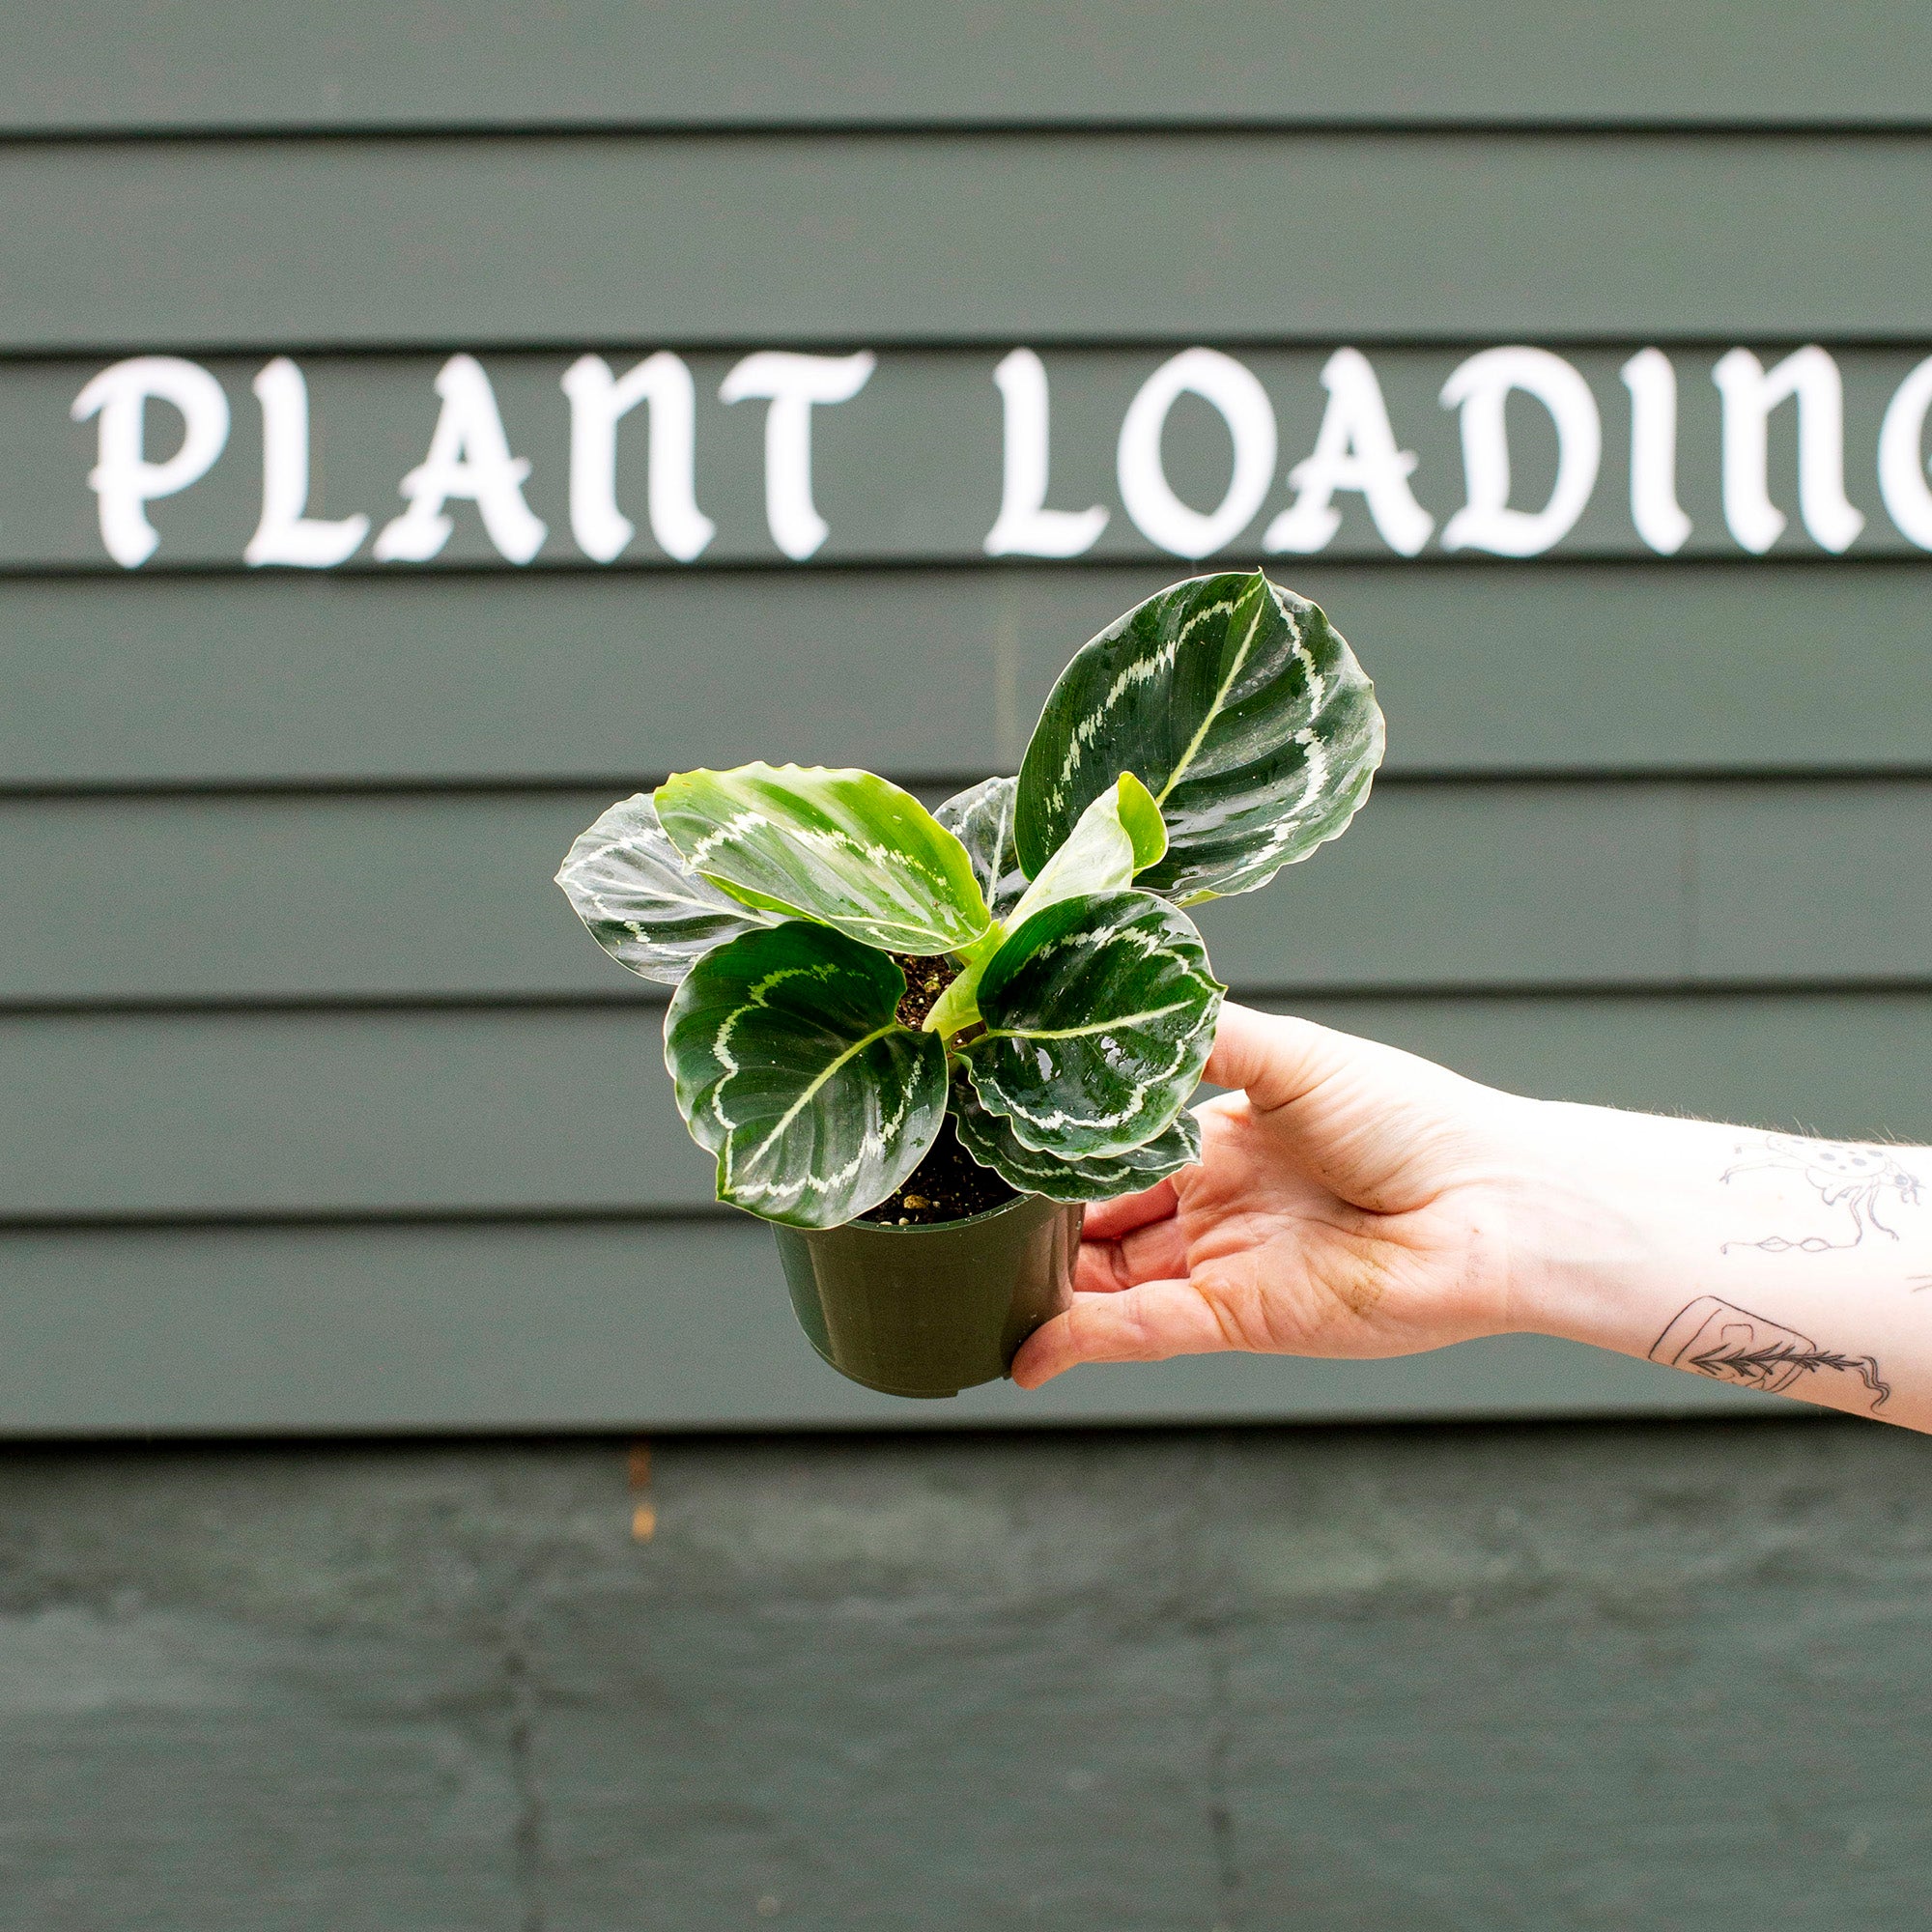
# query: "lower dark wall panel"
(609, 1324)
(1568, 1679)
(543, 1109)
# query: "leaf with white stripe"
(791, 1067)
(991, 1140)
(1099, 1013)
(841, 847)
(1118, 835)
(981, 819)
(641, 903)
(1242, 710)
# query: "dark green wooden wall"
(1560, 1679)
(320, 1113)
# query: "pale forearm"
(1800, 1267)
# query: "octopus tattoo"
(1860, 1180)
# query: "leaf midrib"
(799, 1105)
(1195, 743)
(1090, 1027)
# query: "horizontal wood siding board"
(610, 1325)
(908, 470)
(1782, 877)
(499, 1112)
(557, 241)
(224, 64)
(130, 682)
(1440, 884)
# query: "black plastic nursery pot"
(928, 1311)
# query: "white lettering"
(470, 462)
(1660, 519)
(287, 534)
(1480, 388)
(1235, 390)
(1025, 526)
(598, 402)
(792, 385)
(1750, 393)
(1901, 457)
(122, 479)
(1356, 449)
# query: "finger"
(1109, 1220)
(1145, 1323)
(1149, 1254)
(1347, 1114)
(1274, 1058)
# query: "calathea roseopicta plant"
(807, 916)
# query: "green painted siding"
(561, 242)
(118, 682)
(249, 896)
(321, 1113)
(424, 1110)
(223, 64)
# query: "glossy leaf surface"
(791, 1066)
(1241, 708)
(1099, 1013)
(640, 903)
(1117, 835)
(991, 1140)
(981, 819)
(841, 847)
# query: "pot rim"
(859, 1227)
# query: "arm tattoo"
(1859, 1180)
(1731, 1345)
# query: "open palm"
(1350, 1200)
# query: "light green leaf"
(991, 1140)
(1118, 834)
(1099, 1013)
(1140, 817)
(1241, 708)
(841, 847)
(791, 1066)
(642, 904)
(981, 819)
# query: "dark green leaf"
(1245, 714)
(1099, 1013)
(642, 904)
(991, 1140)
(791, 1066)
(981, 819)
(1118, 834)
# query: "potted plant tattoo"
(917, 1041)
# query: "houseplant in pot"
(916, 1041)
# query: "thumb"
(1276, 1059)
(1353, 1115)
(1147, 1324)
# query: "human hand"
(1350, 1200)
